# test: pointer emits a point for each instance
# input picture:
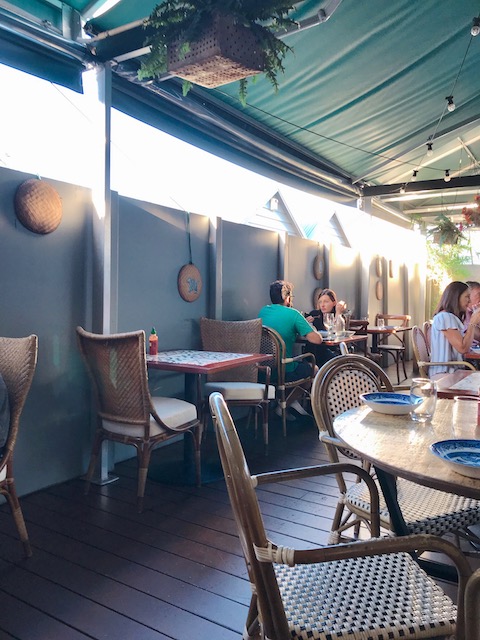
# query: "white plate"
(462, 455)
(345, 334)
(395, 404)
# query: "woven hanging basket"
(38, 206)
(227, 52)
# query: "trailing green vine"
(185, 21)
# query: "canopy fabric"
(362, 94)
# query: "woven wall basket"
(227, 52)
(38, 206)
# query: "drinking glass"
(381, 323)
(425, 389)
(329, 322)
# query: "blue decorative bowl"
(462, 455)
(394, 404)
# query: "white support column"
(105, 229)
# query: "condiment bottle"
(153, 342)
(340, 325)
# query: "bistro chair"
(397, 349)
(126, 412)
(272, 343)
(426, 328)
(239, 386)
(336, 389)
(18, 359)
(421, 350)
(472, 607)
(360, 328)
(365, 589)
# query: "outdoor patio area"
(101, 570)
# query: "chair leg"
(12, 499)
(197, 440)
(143, 457)
(265, 406)
(97, 443)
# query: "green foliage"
(185, 21)
(447, 262)
(445, 231)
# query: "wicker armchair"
(18, 359)
(239, 386)
(273, 343)
(126, 412)
(421, 349)
(371, 589)
(337, 388)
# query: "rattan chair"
(239, 386)
(337, 388)
(18, 359)
(427, 328)
(273, 343)
(397, 349)
(126, 412)
(421, 350)
(472, 607)
(370, 589)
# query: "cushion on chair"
(240, 390)
(3, 474)
(172, 411)
(367, 591)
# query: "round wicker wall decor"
(189, 282)
(38, 206)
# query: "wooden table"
(462, 382)
(397, 446)
(194, 364)
(334, 343)
(375, 332)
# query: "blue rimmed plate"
(394, 404)
(462, 455)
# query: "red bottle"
(153, 343)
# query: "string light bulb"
(447, 176)
(414, 175)
(402, 189)
(429, 149)
(475, 30)
(450, 103)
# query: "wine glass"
(329, 323)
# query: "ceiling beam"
(422, 185)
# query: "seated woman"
(448, 338)
(326, 303)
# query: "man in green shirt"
(290, 324)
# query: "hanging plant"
(446, 231)
(472, 214)
(213, 42)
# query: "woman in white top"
(449, 340)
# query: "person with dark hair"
(289, 323)
(448, 339)
(474, 288)
(326, 303)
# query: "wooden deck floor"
(102, 571)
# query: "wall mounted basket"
(38, 206)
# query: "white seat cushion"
(174, 412)
(3, 474)
(240, 390)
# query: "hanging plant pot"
(226, 52)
